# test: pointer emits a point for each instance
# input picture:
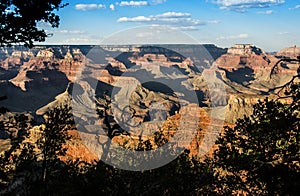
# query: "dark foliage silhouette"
(32, 167)
(19, 20)
(260, 155)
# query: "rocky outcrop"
(143, 105)
(244, 50)
(69, 66)
(61, 99)
(242, 55)
(244, 68)
(46, 55)
(25, 55)
(41, 88)
(40, 78)
(240, 105)
(76, 150)
(33, 65)
(290, 52)
(20, 80)
(247, 69)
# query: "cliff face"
(244, 50)
(40, 76)
(244, 68)
(71, 63)
(68, 59)
(242, 55)
(246, 71)
(240, 105)
(290, 52)
(21, 62)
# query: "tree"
(260, 155)
(19, 20)
(32, 167)
(51, 144)
(16, 161)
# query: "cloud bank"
(243, 5)
(179, 20)
(88, 7)
(133, 3)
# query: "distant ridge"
(61, 50)
(290, 52)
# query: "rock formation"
(244, 50)
(40, 76)
(290, 52)
(46, 55)
(246, 71)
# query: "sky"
(268, 24)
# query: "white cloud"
(112, 7)
(178, 20)
(88, 7)
(76, 40)
(90, 39)
(283, 33)
(214, 22)
(135, 19)
(294, 8)
(184, 28)
(155, 2)
(64, 31)
(173, 15)
(240, 36)
(267, 12)
(243, 5)
(133, 3)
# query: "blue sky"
(269, 24)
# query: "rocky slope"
(246, 70)
(151, 85)
(40, 74)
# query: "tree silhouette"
(53, 137)
(260, 155)
(30, 167)
(15, 163)
(19, 20)
(288, 93)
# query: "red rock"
(291, 52)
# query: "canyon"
(146, 89)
